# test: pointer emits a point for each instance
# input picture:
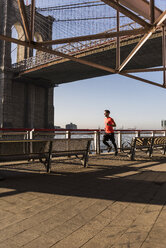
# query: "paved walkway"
(114, 203)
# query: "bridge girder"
(141, 7)
(131, 8)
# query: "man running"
(109, 131)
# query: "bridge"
(50, 68)
(63, 43)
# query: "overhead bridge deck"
(62, 70)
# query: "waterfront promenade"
(114, 203)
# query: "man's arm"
(113, 124)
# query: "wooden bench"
(71, 147)
(147, 145)
(19, 150)
(44, 150)
(159, 143)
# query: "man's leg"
(112, 138)
(106, 137)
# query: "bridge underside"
(132, 30)
(65, 71)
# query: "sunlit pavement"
(114, 202)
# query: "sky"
(132, 104)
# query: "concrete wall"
(22, 104)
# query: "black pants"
(109, 136)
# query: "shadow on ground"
(129, 182)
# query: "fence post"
(153, 134)
(26, 136)
(164, 133)
(119, 140)
(30, 134)
(97, 141)
(137, 134)
(68, 134)
(31, 137)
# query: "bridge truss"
(145, 15)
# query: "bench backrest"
(13, 135)
(43, 135)
(69, 145)
(24, 147)
(159, 141)
(140, 142)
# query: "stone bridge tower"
(23, 104)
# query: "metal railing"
(123, 137)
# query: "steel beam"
(142, 79)
(159, 21)
(152, 13)
(127, 12)
(135, 50)
(35, 45)
(117, 40)
(143, 70)
(95, 36)
(21, 6)
(164, 56)
(32, 19)
(141, 7)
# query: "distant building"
(71, 126)
(57, 127)
(163, 124)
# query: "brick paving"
(114, 203)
